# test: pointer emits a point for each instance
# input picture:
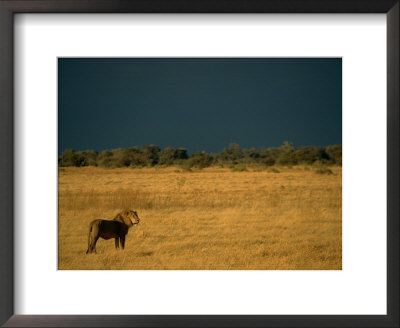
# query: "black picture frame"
(10, 7)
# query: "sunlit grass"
(204, 220)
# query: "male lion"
(116, 228)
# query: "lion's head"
(128, 217)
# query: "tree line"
(151, 155)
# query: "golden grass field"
(210, 219)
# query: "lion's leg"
(89, 249)
(116, 242)
(91, 244)
(94, 243)
(122, 238)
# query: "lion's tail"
(90, 231)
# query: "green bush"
(89, 158)
(233, 157)
(335, 154)
(71, 158)
(318, 163)
(150, 154)
(181, 153)
(186, 166)
(286, 155)
(323, 170)
(199, 160)
(105, 159)
(239, 168)
(268, 161)
(232, 153)
(167, 156)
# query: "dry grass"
(213, 219)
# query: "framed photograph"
(199, 163)
(185, 194)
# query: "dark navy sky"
(198, 103)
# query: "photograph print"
(199, 163)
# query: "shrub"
(105, 159)
(273, 170)
(89, 158)
(303, 155)
(317, 154)
(233, 157)
(286, 155)
(268, 161)
(71, 158)
(323, 170)
(150, 154)
(239, 168)
(269, 155)
(232, 153)
(199, 160)
(186, 166)
(167, 156)
(120, 158)
(181, 153)
(136, 157)
(318, 163)
(335, 154)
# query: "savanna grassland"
(209, 219)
